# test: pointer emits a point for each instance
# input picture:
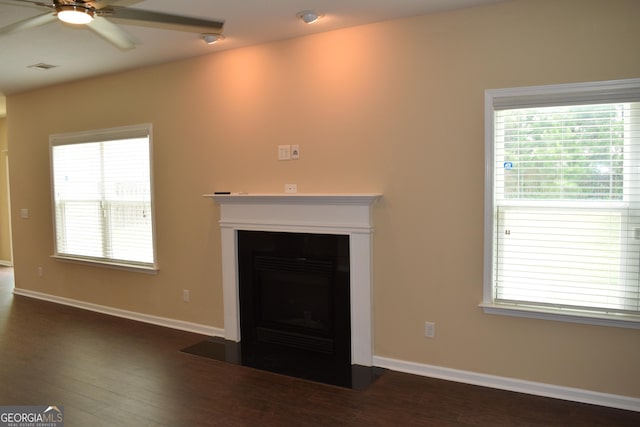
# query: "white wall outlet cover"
(429, 329)
(291, 188)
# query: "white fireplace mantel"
(348, 214)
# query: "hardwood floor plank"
(107, 371)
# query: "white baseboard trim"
(131, 315)
(510, 384)
(6, 263)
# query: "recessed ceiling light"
(212, 38)
(308, 16)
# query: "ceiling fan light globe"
(76, 15)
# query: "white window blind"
(564, 199)
(102, 196)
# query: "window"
(562, 202)
(102, 198)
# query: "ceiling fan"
(94, 14)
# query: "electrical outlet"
(295, 152)
(40, 272)
(185, 295)
(429, 329)
(291, 188)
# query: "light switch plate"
(284, 152)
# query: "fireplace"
(346, 217)
(294, 304)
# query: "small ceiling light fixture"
(308, 16)
(212, 38)
(72, 14)
(42, 66)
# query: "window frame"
(103, 135)
(536, 96)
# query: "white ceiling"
(80, 53)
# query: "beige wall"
(5, 226)
(396, 108)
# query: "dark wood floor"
(107, 371)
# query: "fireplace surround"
(332, 214)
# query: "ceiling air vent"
(42, 66)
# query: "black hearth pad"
(209, 349)
(229, 351)
(217, 349)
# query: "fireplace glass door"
(294, 302)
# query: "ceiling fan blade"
(101, 4)
(112, 33)
(25, 24)
(28, 3)
(162, 20)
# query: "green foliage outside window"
(564, 153)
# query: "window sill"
(560, 315)
(107, 264)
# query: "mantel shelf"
(364, 199)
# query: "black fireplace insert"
(295, 304)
